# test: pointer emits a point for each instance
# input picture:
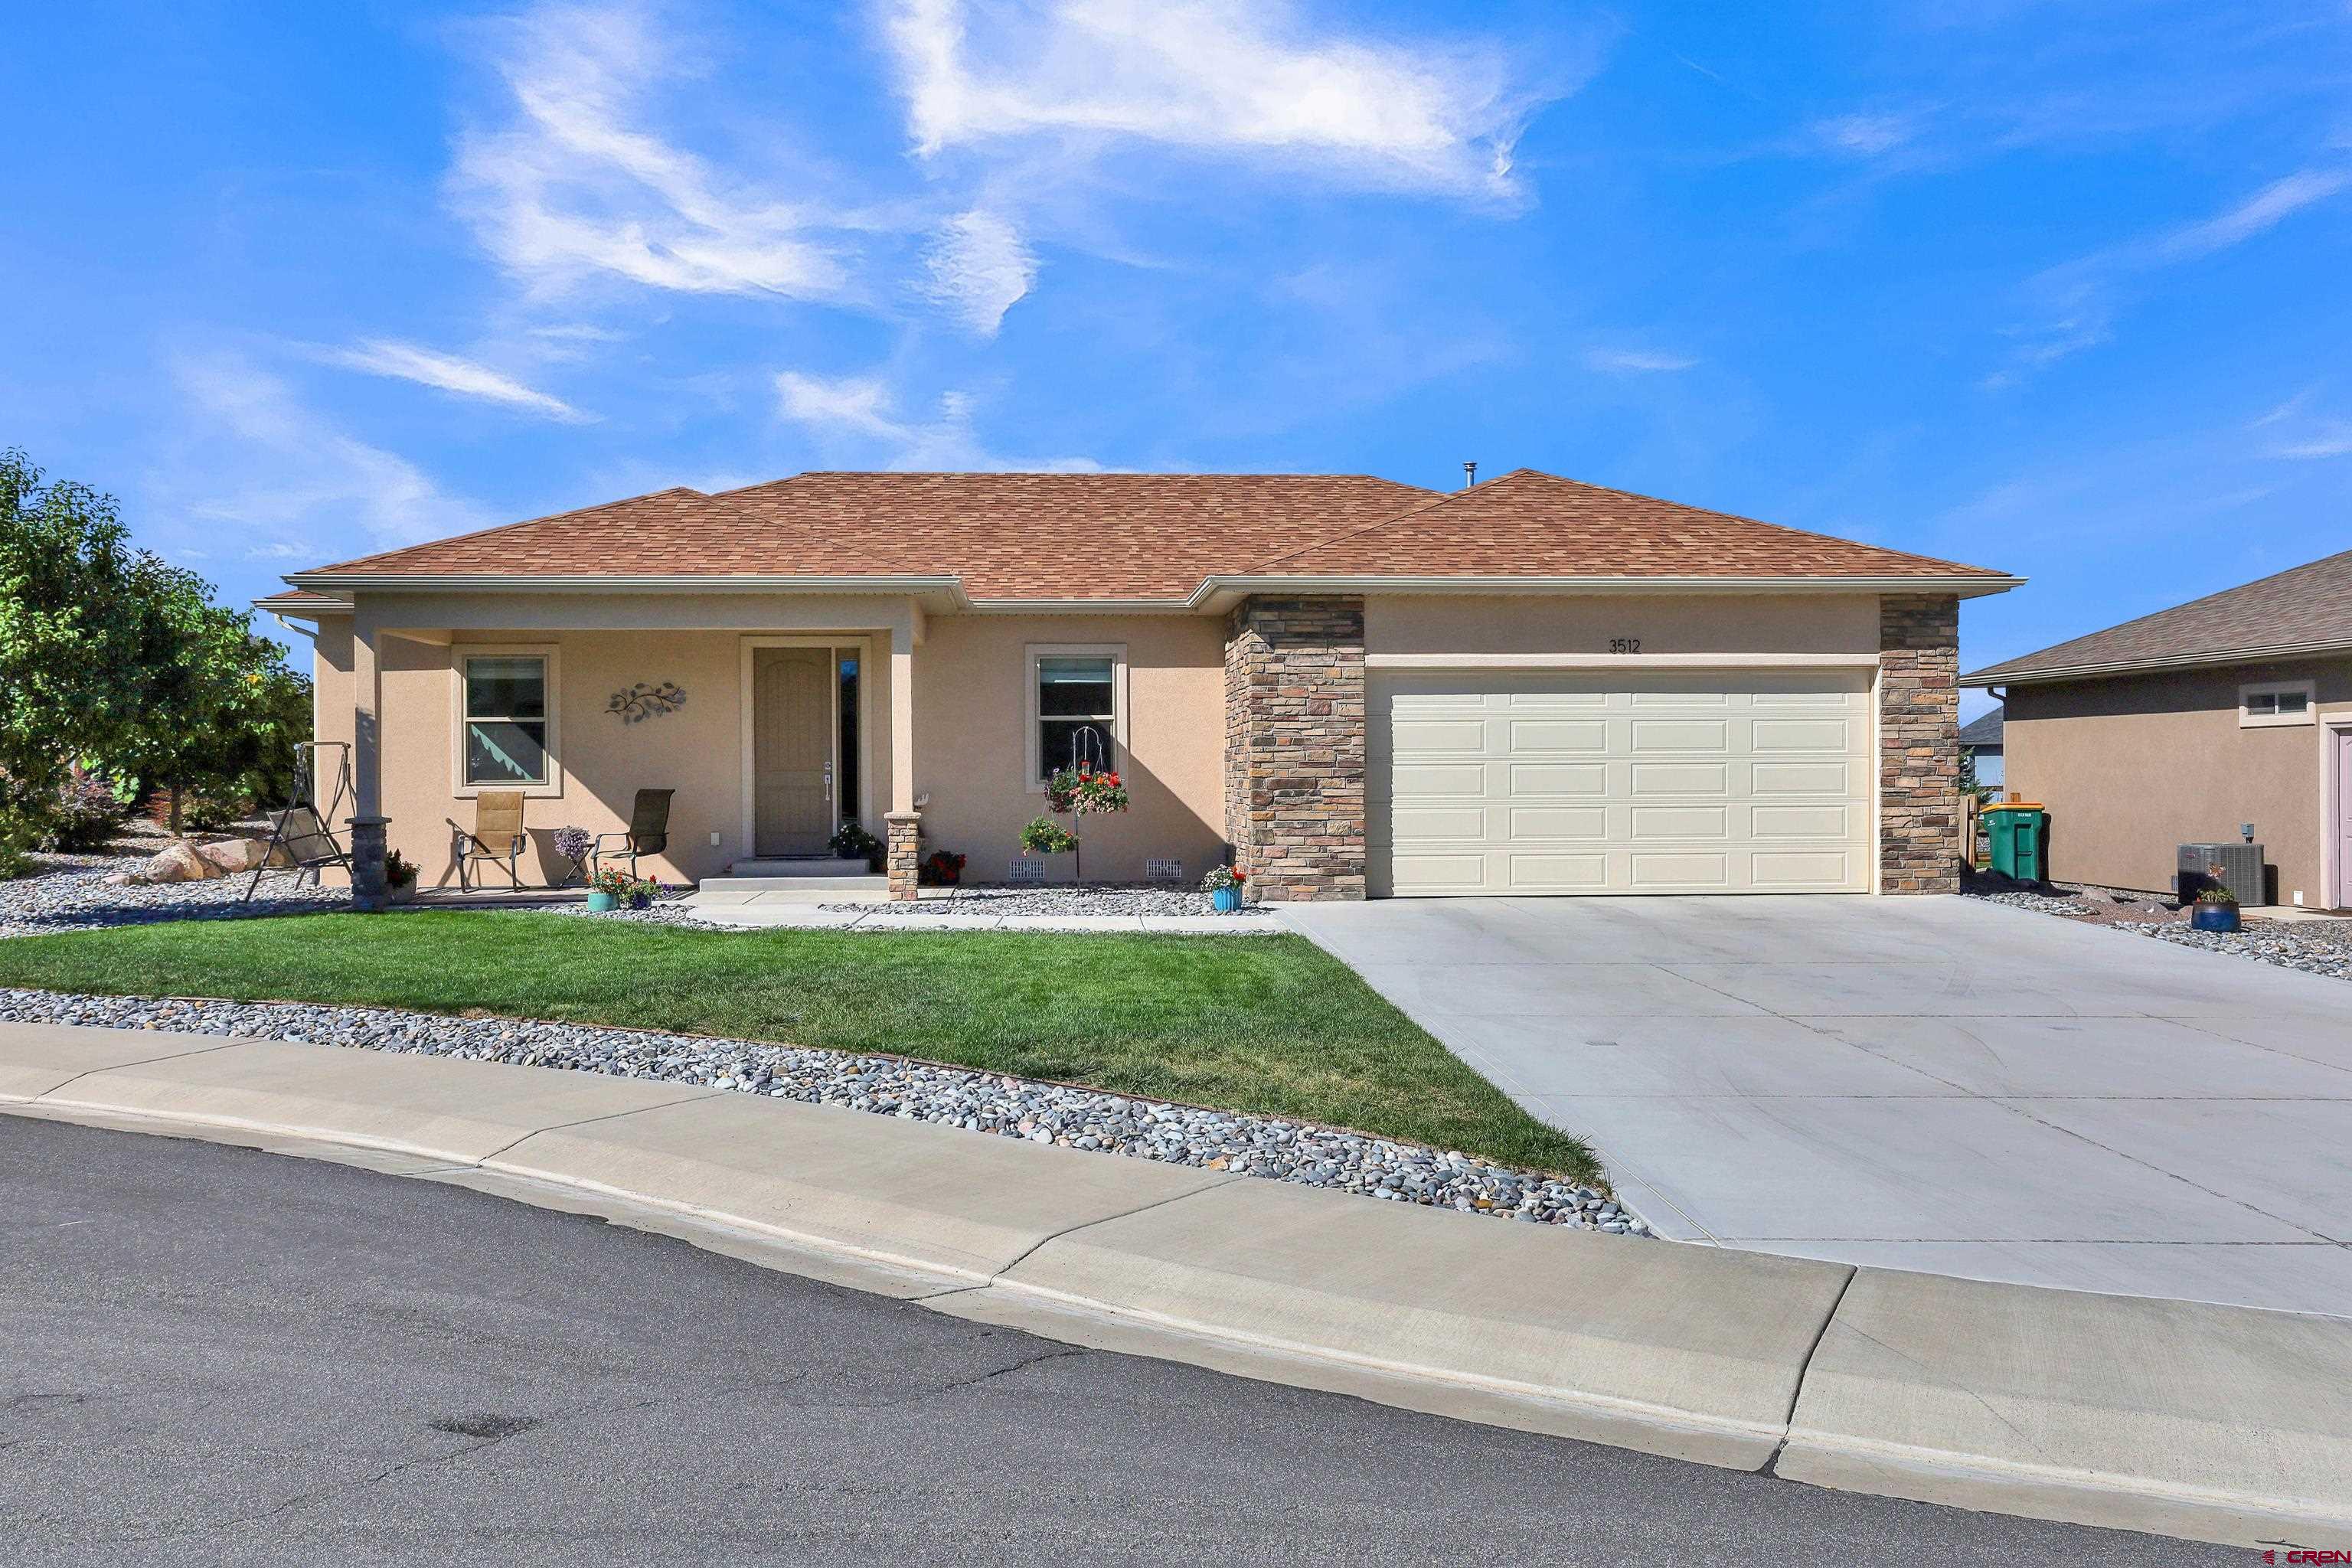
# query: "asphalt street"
(223, 1356)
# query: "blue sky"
(2060, 287)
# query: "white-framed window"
(1076, 707)
(2274, 702)
(504, 708)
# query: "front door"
(792, 731)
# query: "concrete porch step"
(865, 882)
(798, 866)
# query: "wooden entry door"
(793, 730)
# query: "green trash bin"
(2018, 830)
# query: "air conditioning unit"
(2241, 871)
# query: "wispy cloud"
(574, 188)
(2331, 439)
(2080, 299)
(1636, 362)
(978, 269)
(283, 474)
(427, 367)
(1234, 77)
(860, 411)
(1864, 135)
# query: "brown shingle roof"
(2304, 608)
(1532, 525)
(293, 600)
(1141, 536)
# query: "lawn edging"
(2215, 1423)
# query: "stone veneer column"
(1295, 746)
(901, 857)
(1918, 744)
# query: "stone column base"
(367, 861)
(903, 859)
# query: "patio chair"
(648, 834)
(496, 838)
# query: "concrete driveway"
(1936, 1083)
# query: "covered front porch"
(764, 722)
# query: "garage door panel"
(1423, 823)
(1831, 735)
(1528, 823)
(1422, 735)
(1680, 778)
(1556, 781)
(1586, 736)
(1452, 781)
(1664, 872)
(1556, 873)
(1681, 735)
(1538, 779)
(1834, 779)
(1657, 822)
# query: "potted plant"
(607, 888)
(1083, 791)
(574, 845)
(1225, 885)
(1044, 835)
(641, 895)
(399, 879)
(2216, 908)
(852, 842)
(941, 870)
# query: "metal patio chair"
(496, 838)
(648, 833)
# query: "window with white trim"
(506, 736)
(2274, 702)
(1076, 707)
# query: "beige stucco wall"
(970, 732)
(1694, 624)
(2133, 765)
(971, 739)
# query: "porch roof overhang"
(945, 595)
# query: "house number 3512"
(1624, 644)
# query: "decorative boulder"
(179, 862)
(234, 855)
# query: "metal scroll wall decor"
(643, 701)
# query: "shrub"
(852, 842)
(85, 816)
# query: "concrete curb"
(2221, 1424)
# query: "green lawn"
(1268, 1024)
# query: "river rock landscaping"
(2321, 946)
(1009, 1106)
(70, 892)
(1094, 899)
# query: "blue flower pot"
(641, 900)
(1225, 901)
(599, 903)
(2213, 917)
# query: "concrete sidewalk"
(2216, 1422)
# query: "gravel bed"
(1095, 898)
(2315, 947)
(2041, 903)
(889, 1086)
(76, 897)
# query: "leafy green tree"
(108, 654)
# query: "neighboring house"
(2180, 726)
(1351, 686)
(1981, 738)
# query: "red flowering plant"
(1084, 791)
(1222, 877)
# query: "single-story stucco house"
(2184, 726)
(1350, 686)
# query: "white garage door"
(1684, 782)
